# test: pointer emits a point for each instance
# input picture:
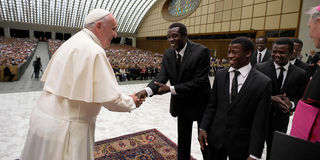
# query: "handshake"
(140, 96)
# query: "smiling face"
(237, 56)
(280, 54)
(176, 39)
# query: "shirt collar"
(293, 61)
(182, 50)
(92, 35)
(285, 66)
(244, 71)
(263, 51)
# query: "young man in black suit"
(288, 84)
(293, 58)
(235, 121)
(262, 53)
(186, 64)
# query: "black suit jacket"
(253, 59)
(191, 83)
(294, 83)
(293, 86)
(242, 125)
(303, 66)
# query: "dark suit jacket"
(293, 86)
(309, 59)
(303, 66)
(242, 125)
(191, 83)
(253, 58)
(7, 71)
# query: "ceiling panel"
(71, 13)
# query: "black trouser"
(36, 73)
(185, 137)
(222, 154)
(278, 123)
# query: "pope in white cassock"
(77, 82)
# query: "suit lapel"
(227, 85)
(266, 56)
(173, 56)
(185, 60)
(254, 56)
(288, 77)
(250, 79)
(273, 73)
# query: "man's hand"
(162, 88)
(202, 138)
(137, 101)
(278, 101)
(142, 94)
(286, 100)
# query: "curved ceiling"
(71, 13)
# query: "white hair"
(314, 13)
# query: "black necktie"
(280, 77)
(259, 58)
(234, 87)
(178, 62)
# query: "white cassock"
(78, 81)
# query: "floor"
(18, 98)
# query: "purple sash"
(305, 123)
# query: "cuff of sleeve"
(149, 91)
(292, 105)
(172, 90)
(254, 157)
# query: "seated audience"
(16, 50)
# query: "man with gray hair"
(77, 82)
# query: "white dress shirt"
(293, 61)
(244, 72)
(277, 67)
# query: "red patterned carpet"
(145, 145)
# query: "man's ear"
(98, 24)
(249, 54)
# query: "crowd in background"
(128, 63)
(15, 51)
(54, 45)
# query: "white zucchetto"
(95, 15)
